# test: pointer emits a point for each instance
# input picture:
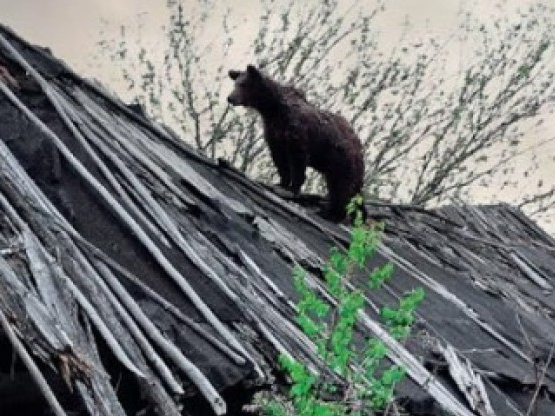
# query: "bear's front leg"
(298, 163)
(280, 159)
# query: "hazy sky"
(71, 28)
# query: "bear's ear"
(233, 74)
(253, 71)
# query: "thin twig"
(540, 381)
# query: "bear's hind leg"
(298, 164)
(339, 196)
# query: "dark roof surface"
(125, 253)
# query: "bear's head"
(250, 88)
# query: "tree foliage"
(432, 131)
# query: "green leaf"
(376, 349)
(388, 314)
(321, 309)
(400, 332)
(309, 326)
(333, 280)
(392, 375)
(338, 261)
(380, 274)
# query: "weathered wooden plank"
(469, 381)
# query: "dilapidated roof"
(139, 276)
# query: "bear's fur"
(299, 136)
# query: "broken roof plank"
(469, 382)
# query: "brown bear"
(299, 135)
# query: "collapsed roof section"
(124, 252)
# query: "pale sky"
(71, 29)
